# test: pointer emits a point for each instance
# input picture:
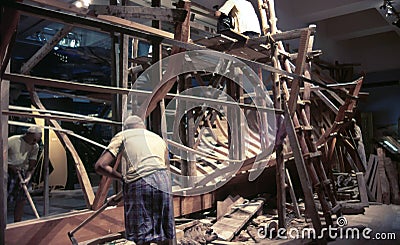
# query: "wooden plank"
(4, 92)
(53, 230)
(187, 225)
(229, 225)
(189, 204)
(325, 99)
(384, 183)
(362, 189)
(371, 162)
(373, 176)
(392, 175)
(248, 53)
(225, 206)
(104, 186)
(140, 12)
(45, 49)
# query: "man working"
(146, 182)
(245, 17)
(22, 157)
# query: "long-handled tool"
(28, 195)
(111, 201)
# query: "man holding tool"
(146, 182)
(22, 158)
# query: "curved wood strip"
(80, 168)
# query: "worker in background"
(357, 136)
(245, 17)
(146, 182)
(22, 157)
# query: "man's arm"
(29, 172)
(103, 166)
(226, 8)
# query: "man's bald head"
(133, 122)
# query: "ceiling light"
(389, 11)
(78, 4)
(397, 23)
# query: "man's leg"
(19, 210)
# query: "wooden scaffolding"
(313, 111)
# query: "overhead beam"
(112, 90)
(152, 13)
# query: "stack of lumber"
(382, 178)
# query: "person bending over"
(146, 182)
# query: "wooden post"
(46, 205)
(123, 83)
(187, 131)
(8, 27)
(263, 15)
(292, 194)
(115, 105)
(272, 16)
(4, 91)
(155, 116)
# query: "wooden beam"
(61, 118)
(134, 25)
(233, 221)
(4, 92)
(46, 160)
(45, 49)
(281, 36)
(64, 84)
(140, 12)
(25, 79)
(300, 65)
(61, 5)
(8, 27)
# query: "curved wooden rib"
(80, 168)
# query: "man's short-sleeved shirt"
(20, 152)
(244, 14)
(143, 150)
